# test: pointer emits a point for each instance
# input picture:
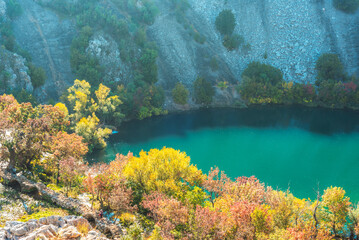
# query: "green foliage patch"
(203, 91)
(37, 75)
(233, 42)
(225, 22)
(329, 67)
(347, 6)
(180, 94)
(13, 9)
(263, 73)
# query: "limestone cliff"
(289, 34)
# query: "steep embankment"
(293, 34)
(47, 38)
(289, 34)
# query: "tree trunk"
(12, 159)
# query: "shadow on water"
(316, 120)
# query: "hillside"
(289, 35)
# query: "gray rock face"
(293, 33)
(47, 38)
(2, 8)
(14, 72)
(106, 50)
(181, 58)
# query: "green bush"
(225, 22)
(180, 94)
(22, 96)
(140, 37)
(214, 64)
(13, 9)
(348, 6)
(7, 36)
(263, 73)
(37, 75)
(203, 91)
(148, 65)
(148, 12)
(329, 67)
(232, 42)
(199, 37)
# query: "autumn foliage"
(159, 194)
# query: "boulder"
(69, 232)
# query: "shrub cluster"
(329, 67)
(225, 24)
(262, 83)
(37, 75)
(203, 91)
(180, 94)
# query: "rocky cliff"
(289, 34)
(47, 38)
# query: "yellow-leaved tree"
(79, 98)
(107, 105)
(94, 135)
(336, 206)
(167, 170)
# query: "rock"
(78, 222)
(2, 8)
(15, 68)
(93, 235)
(19, 230)
(106, 50)
(2, 234)
(47, 38)
(69, 232)
(56, 221)
(43, 221)
(44, 232)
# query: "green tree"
(233, 42)
(14, 9)
(148, 65)
(263, 73)
(37, 75)
(329, 67)
(203, 91)
(180, 94)
(225, 22)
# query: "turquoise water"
(286, 151)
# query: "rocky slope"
(53, 227)
(47, 38)
(289, 34)
(292, 33)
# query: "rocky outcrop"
(13, 72)
(2, 8)
(106, 50)
(39, 190)
(53, 227)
